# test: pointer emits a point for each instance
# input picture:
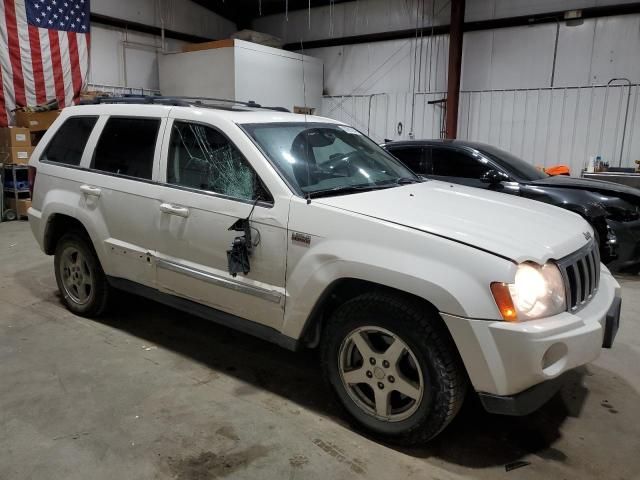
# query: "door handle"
(174, 210)
(89, 190)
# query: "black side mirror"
(240, 251)
(493, 177)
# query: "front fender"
(455, 278)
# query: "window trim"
(165, 155)
(160, 120)
(86, 145)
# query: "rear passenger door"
(210, 184)
(119, 191)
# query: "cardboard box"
(15, 137)
(16, 155)
(36, 121)
(21, 208)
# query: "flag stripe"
(67, 81)
(4, 120)
(47, 64)
(56, 63)
(14, 51)
(5, 64)
(83, 53)
(76, 76)
(36, 62)
(26, 61)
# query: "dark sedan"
(612, 209)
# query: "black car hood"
(602, 186)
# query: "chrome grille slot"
(581, 274)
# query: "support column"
(455, 66)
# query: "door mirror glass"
(493, 177)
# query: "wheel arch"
(57, 225)
(342, 290)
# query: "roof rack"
(177, 101)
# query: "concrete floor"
(149, 392)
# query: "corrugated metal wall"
(544, 126)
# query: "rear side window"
(452, 163)
(126, 147)
(412, 157)
(69, 141)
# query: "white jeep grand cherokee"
(302, 231)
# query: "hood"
(511, 227)
(587, 184)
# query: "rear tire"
(79, 275)
(407, 397)
(10, 215)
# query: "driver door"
(208, 185)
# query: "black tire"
(423, 332)
(98, 295)
(10, 215)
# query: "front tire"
(394, 367)
(79, 275)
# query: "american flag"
(44, 52)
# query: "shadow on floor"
(474, 439)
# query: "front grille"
(581, 274)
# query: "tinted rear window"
(67, 145)
(126, 147)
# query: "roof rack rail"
(181, 101)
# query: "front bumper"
(504, 359)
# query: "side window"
(453, 163)
(67, 145)
(201, 157)
(126, 147)
(413, 158)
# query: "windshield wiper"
(408, 180)
(343, 190)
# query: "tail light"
(32, 179)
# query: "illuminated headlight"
(537, 291)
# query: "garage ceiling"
(243, 11)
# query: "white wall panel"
(522, 57)
(106, 56)
(617, 48)
(126, 58)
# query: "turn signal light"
(503, 299)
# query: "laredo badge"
(301, 238)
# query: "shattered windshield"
(325, 157)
